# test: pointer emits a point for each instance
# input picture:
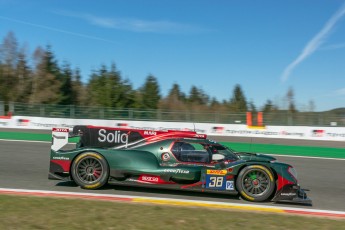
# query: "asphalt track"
(24, 165)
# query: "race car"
(184, 160)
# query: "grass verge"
(288, 150)
(21, 212)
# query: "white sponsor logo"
(115, 137)
(149, 178)
(61, 130)
(288, 194)
(152, 133)
(176, 171)
(229, 185)
(61, 158)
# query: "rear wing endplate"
(59, 138)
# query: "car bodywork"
(172, 159)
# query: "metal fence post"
(159, 115)
(42, 110)
(2, 108)
(72, 111)
(130, 114)
(187, 116)
(11, 108)
(101, 113)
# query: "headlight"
(293, 172)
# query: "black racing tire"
(255, 183)
(90, 170)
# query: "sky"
(266, 46)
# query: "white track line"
(307, 157)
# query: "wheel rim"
(89, 170)
(256, 183)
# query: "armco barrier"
(287, 132)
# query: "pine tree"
(291, 101)
(24, 78)
(8, 62)
(66, 88)
(197, 96)
(238, 101)
(47, 82)
(150, 93)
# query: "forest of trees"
(40, 78)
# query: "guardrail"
(277, 118)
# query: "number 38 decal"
(219, 183)
(215, 182)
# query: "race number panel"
(215, 182)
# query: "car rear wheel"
(255, 183)
(90, 170)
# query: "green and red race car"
(173, 159)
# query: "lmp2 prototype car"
(172, 159)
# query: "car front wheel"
(255, 183)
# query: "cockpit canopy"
(201, 152)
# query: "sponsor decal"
(3, 122)
(154, 179)
(336, 134)
(122, 124)
(151, 179)
(112, 137)
(216, 172)
(62, 130)
(229, 185)
(61, 158)
(59, 137)
(23, 122)
(165, 156)
(182, 171)
(286, 133)
(288, 194)
(317, 132)
(217, 129)
(265, 133)
(46, 125)
(150, 133)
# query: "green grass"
(20, 212)
(288, 150)
(29, 136)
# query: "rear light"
(293, 172)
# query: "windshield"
(226, 152)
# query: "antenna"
(194, 126)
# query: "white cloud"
(314, 43)
(334, 46)
(135, 25)
(340, 92)
(56, 29)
